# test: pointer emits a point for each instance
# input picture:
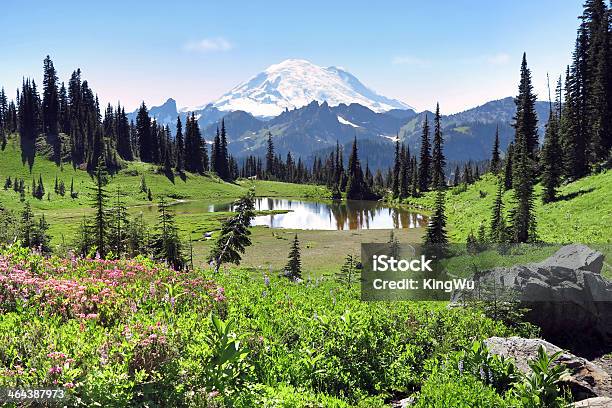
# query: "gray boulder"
(586, 379)
(566, 294)
(598, 402)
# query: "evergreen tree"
(551, 152)
(118, 236)
(456, 176)
(404, 172)
(29, 120)
(572, 135)
(144, 134)
(123, 135)
(166, 243)
(508, 167)
(525, 141)
(100, 205)
(436, 238)
(50, 102)
(425, 159)
(180, 146)
(526, 119)
(349, 272)
(495, 157)
(26, 229)
(293, 270)
(397, 169)
(414, 189)
(40, 238)
(356, 188)
(223, 159)
(4, 119)
(394, 245)
(438, 162)
(234, 236)
(137, 236)
(498, 223)
(270, 157)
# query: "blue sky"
(460, 53)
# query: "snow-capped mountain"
(295, 83)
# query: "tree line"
(67, 121)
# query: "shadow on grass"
(571, 196)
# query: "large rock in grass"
(586, 379)
(598, 402)
(567, 296)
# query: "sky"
(459, 53)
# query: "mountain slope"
(295, 83)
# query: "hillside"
(583, 212)
(65, 213)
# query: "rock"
(599, 402)
(566, 295)
(586, 378)
(403, 403)
(576, 256)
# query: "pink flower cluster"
(90, 289)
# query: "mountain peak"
(294, 83)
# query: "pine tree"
(118, 235)
(123, 135)
(180, 146)
(394, 245)
(523, 216)
(456, 176)
(436, 238)
(144, 134)
(234, 236)
(348, 274)
(26, 229)
(425, 159)
(223, 159)
(498, 224)
(404, 172)
(293, 270)
(40, 236)
(356, 188)
(438, 162)
(495, 157)
(270, 157)
(508, 167)
(397, 169)
(50, 102)
(526, 119)
(551, 152)
(100, 205)
(4, 119)
(166, 243)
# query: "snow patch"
(346, 122)
(391, 138)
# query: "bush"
(450, 391)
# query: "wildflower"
(55, 370)
(266, 280)
(460, 366)
(69, 385)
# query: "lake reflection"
(336, 215)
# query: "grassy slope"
(582, 214)
(64, 213)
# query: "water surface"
(312, 215)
